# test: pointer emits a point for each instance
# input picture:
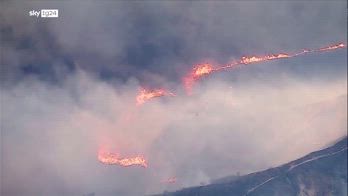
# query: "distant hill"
(321, 173)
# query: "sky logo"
(45, 13)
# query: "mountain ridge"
(322, 172)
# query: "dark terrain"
(321, 173)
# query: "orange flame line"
(145, 95)
(113, 159)
(202, 70)
(254, 59)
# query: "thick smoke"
(68, 88)
(159, 42)
(51, 134)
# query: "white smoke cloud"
(51, 134)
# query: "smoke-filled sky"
(68, 88)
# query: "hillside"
(320, 173)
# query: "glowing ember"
(202, 70)
(206, 69)
(197, 72)
(145, 95)
(333, 47)
(113, 159)
(170, 180)
(254, 59)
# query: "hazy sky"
(68, 87)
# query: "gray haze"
(68, 88)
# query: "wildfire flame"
(253, 59)
(333, 47)
(145, 95)
(199, 71)
(113, 159)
